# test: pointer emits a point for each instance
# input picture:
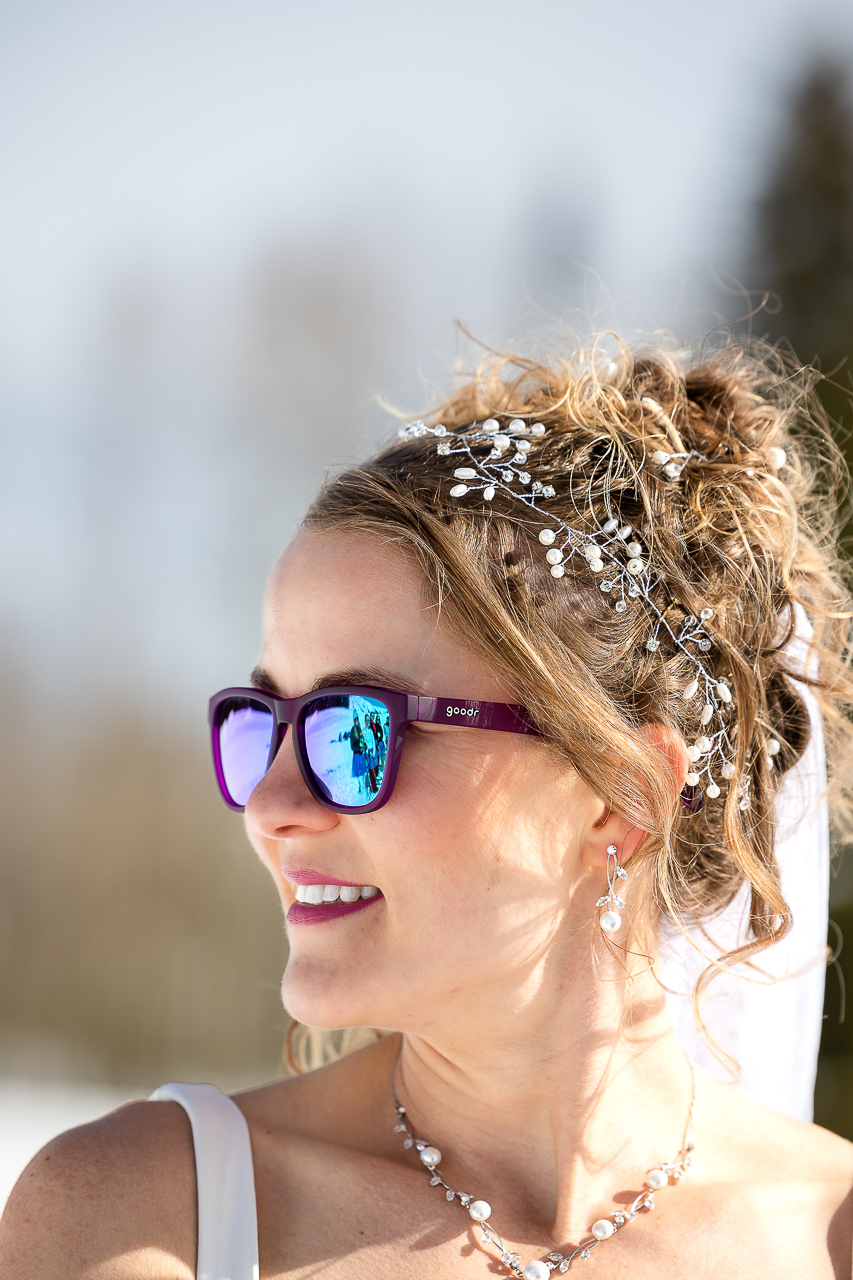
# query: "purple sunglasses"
(348, 739)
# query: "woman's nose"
(281, 801)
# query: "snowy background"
(224, 230)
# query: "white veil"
(769, 1016)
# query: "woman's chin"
(330, 1002)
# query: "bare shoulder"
(778, 1142)
(109, 1200)
(343, 1104)
(798, 1176)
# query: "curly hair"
(744, 529)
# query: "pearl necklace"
(480, 1210)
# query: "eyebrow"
(376, 676)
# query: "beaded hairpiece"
(613, 550)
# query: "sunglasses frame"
(404, 709)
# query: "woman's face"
(478, 855)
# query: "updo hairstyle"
(746, 529)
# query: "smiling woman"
(526, 695)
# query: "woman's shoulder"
(794, 1179)
(116, 1197)
(774, 1141)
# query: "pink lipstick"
(301, 913)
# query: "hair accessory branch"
(614, 551)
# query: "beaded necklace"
(663, 1175)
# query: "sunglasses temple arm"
(479, 715)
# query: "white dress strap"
(227, 1212)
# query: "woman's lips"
(301, 913)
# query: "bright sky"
(466, 150)
(188, 132)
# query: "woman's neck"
(551, 1109)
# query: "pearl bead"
(728, 770)
(724, 692)
(490, 426)
(693, 754)
(458, 490)
(635, 567)
(591, 551)
(773, 747)
(489, 493)
(557, 571)
(480, 1210)
(537, 1271)
(690, 690)
(657, 1180)
(660, 457)
(603, 1229)
(712, 791)
(554, 556)
(465, 473)
(547, 536)
(537, 429)
(610, 922)
(706, 615)
(611, 524)
(776, 457)
(501, 442)
(672, 470)
(704, 745)
(634, 549)
(692, 780)
(431, 1156)
(707, 712)
(623, 532)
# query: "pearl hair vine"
(615, 551)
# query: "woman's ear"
(611, 828)
(672, 746)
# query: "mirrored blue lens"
(346, 742)
(245, 735)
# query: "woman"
(570, 594)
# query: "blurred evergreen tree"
(803, 238)
(802, 254)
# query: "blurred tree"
(802, 253)
(140, 938)
(803, 237)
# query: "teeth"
(315, 894)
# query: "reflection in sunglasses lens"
(346, 742)
(245, 734)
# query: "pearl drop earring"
(610, 921)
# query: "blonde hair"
(729, 533)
